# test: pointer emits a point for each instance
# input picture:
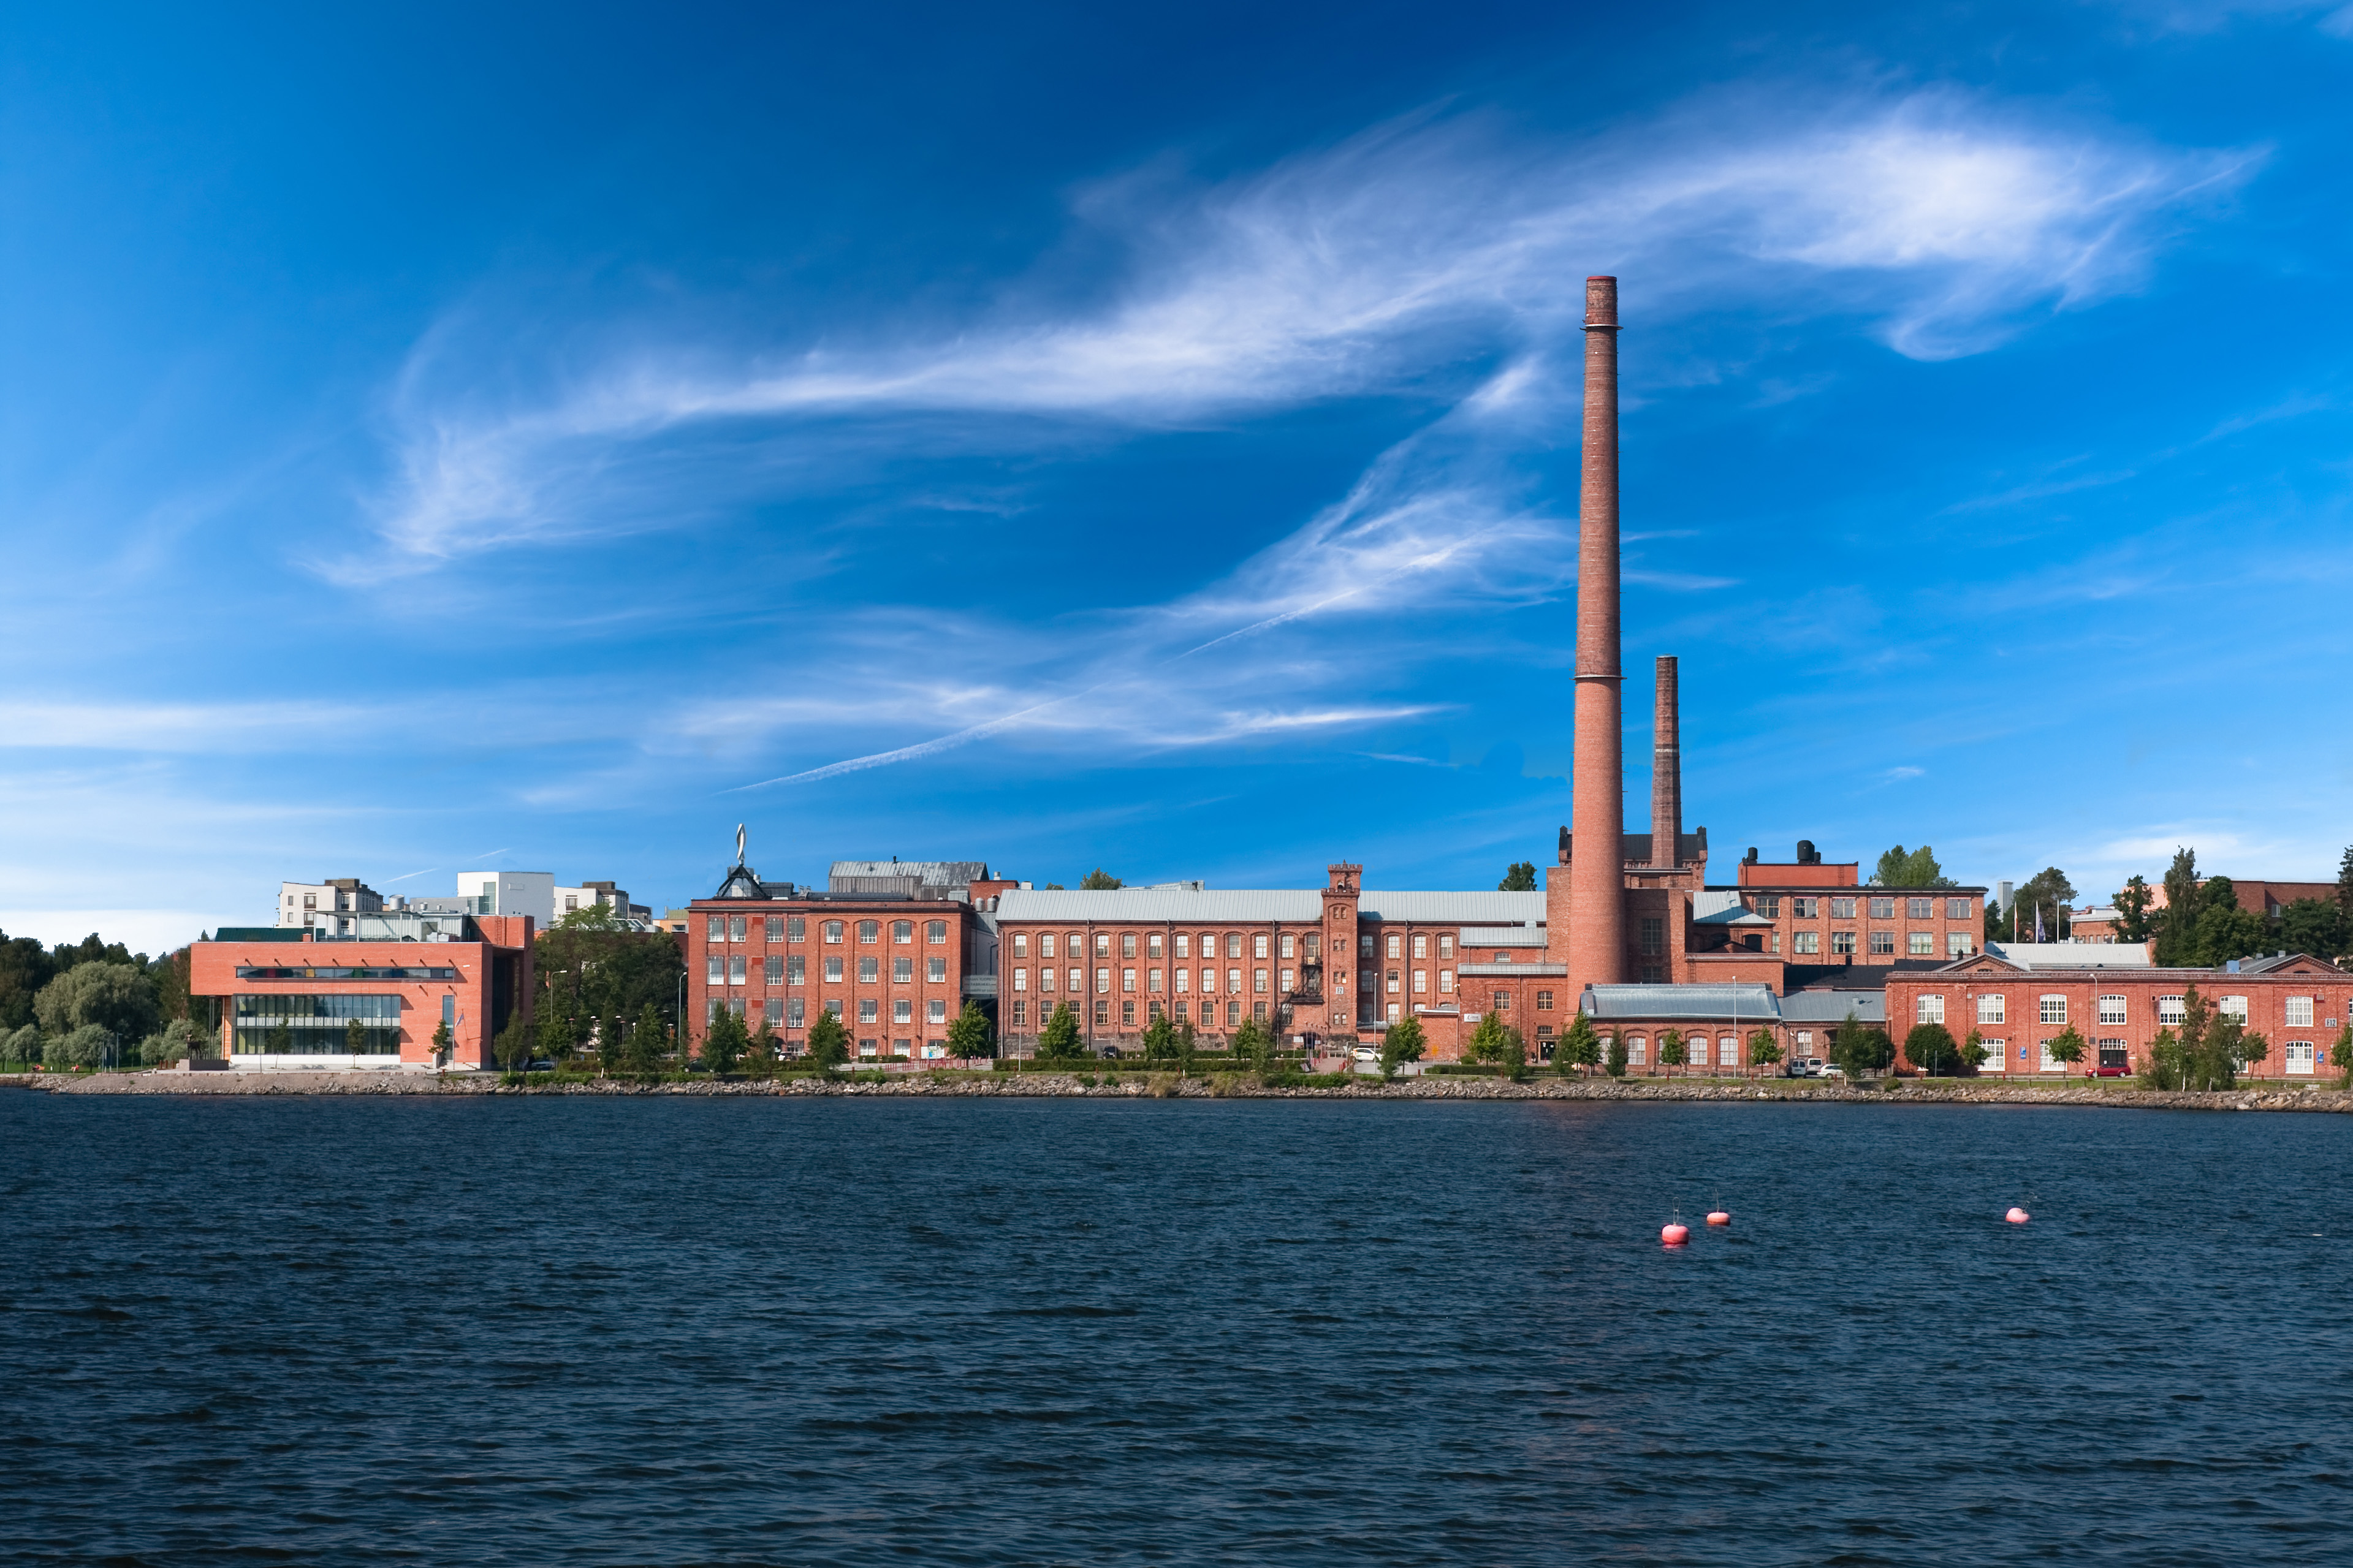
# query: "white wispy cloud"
(1375, 267)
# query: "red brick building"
(1307, 964)
(2297, 1002)
(289, 996)
(894, 955)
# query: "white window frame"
(1928, 1008)
(2172, 1012)
(2112, 1011)
(2050, 1008)
(1993, 1007)
(2300, 1012)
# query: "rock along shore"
(1139, 1085)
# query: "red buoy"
(1674, 1235)
(1717, 1217)
(2017, 1216)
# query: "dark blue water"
(688, 1331)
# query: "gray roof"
(1504, 936)
(1140, 905)
(915, 878)
(1488, 908)
(1667, 1003)
(1303, 906)
(1508, 970)
(1832, 1007)
(2072, 955)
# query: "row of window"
(792, 1012)
(795, 928)
(1696, 1051)
(1180, 1010)
(1917, 944)
(2050, 1008)
(783, 969)
(1842, 907)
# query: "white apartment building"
(326, 906)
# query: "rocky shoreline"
(1137, 1085)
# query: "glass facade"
(315, 1026)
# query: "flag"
(2038, 922)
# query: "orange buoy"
(1674, 1235)
(2017, 1216)
(1717, 1217)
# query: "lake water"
(660, 1331)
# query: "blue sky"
(1070, 435)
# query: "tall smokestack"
(1666, 767)
(1596, 941)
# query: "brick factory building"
(894, 949)
(1627, 927)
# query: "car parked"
(1366, 1054)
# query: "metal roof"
(1110, 906)
(2072, 955)
(1301, 906)
(1508, 970)
(1832, 1007)
(1490, 908)
(1666, 1004)
(1502, 936)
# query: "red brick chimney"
(1596, 936)
(1666, 767)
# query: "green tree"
(1672, 1052)
(1486, 1042)
(1187, 1043)
(1915, 869)
(724, 1041)
(2340, 1055)
(648, 1041)
(1764, 1050)
(2316, 926)
(23, 1045)
(441, 1043)
(2224, 931)
(2176, 923)
(1159, 1039)
(25, 967)
(1519, 877)
(610, 1052)
(512, 1047)
(354, 1038)
(2067, 1049)
(1614, 1064)
(765, 1049)
(1100, 882)
(1512, 1054)
(1252, 1044)
(970, 1037)
(117, 997)
(1580, 1047)
(1974, 1052)
(2135, 921)
(557, 1032)
(1060, 1041)
(828, 1042)
(86, 1046)
(180, 1040)
(1931, 1048)
(2048, 890)
(1856, 1048)
(1404, 1043)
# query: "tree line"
(84, 1004)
